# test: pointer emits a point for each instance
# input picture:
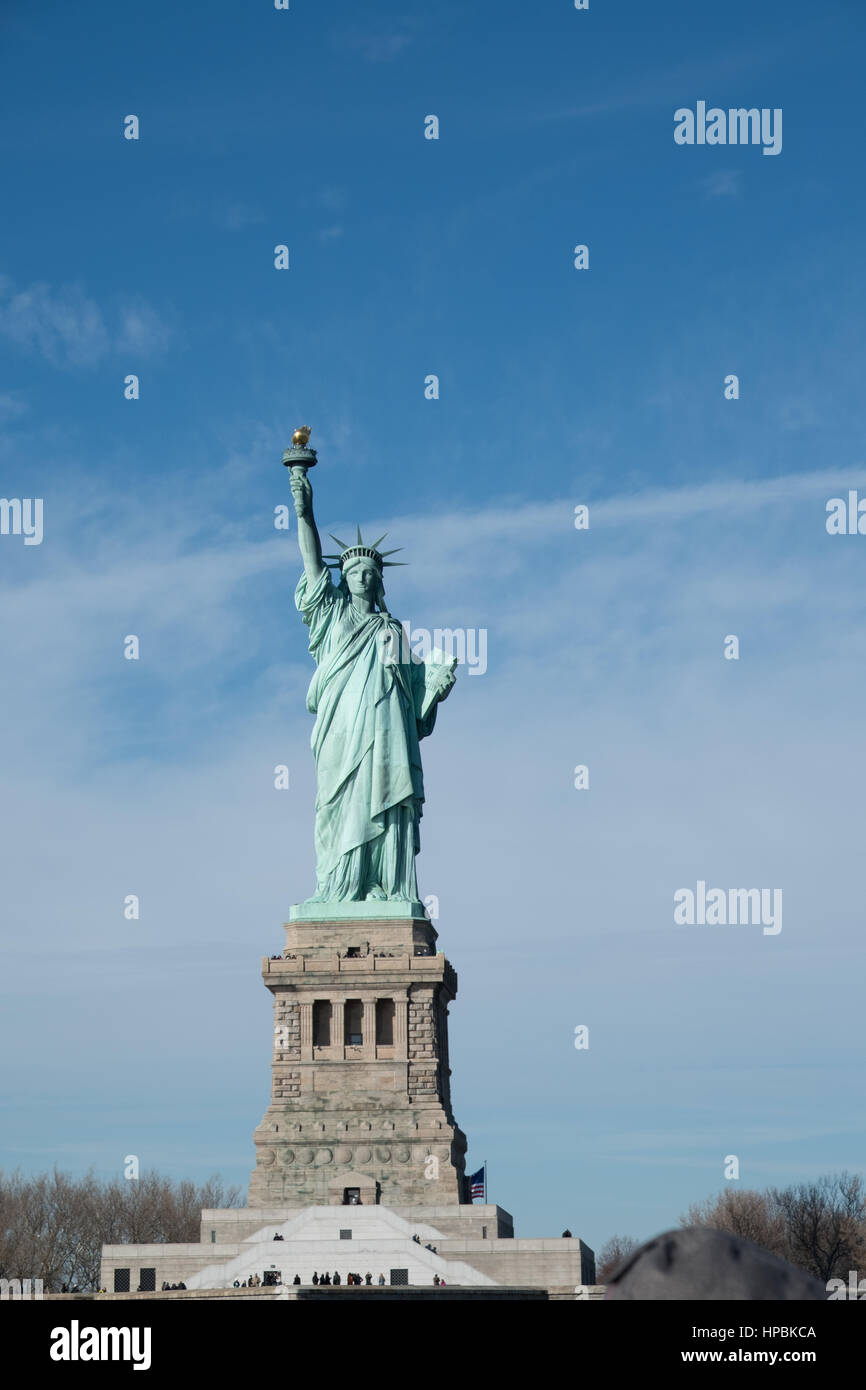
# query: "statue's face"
(362, 578)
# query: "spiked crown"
(360, 550)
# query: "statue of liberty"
(373, 701)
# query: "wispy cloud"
(381, 47)
(235, 216)
(663, 86)
(63, 326)
(724, 183)
(69, 329)
(11, 407)
(141, 330)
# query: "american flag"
(478, 1183)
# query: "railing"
(356, 965)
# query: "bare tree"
(53, 1226)
(825, 1224)
(745, 1213)
(611, 1256)
(818, 1226)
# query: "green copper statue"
(373, 701)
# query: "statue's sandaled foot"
(376, 894)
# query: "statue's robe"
(365, 742)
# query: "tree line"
(819, 1226)
(53, 1225)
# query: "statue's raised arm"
(308, 534)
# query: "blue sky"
(557, 387)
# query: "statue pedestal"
(360, 1106)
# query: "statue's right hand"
(302, 493)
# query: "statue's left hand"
(446, 684)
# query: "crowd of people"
(327, 1279)
(320, 1280)
(350, 1278)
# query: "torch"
(299, 455)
